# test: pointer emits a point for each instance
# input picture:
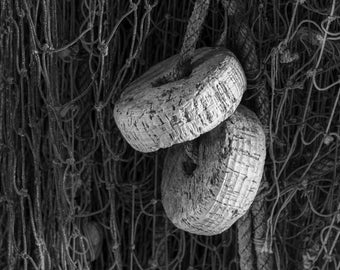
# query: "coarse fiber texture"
(207, 198)
(153, 115)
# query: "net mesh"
(63, 162)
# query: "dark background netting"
(63, 162)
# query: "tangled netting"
(63, 162)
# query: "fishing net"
(64, 163)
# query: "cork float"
(153, 115)
(208, 197)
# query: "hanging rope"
(264, 260)
(191, 37)
(255, 220)
(183, 67)
(245, 245)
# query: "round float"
(208, 197)
(152, 114)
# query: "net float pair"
(204, 106)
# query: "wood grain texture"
(208, 199)
(151, 116)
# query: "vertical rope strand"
(257, 214)
(245, 243)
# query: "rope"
(249, 59)
(244, 224)
(262, 108)
(191, 150)
(244, 42)
(193, 31)
(232, 7)
(258, 212)
(244, 229)
(182, 67)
